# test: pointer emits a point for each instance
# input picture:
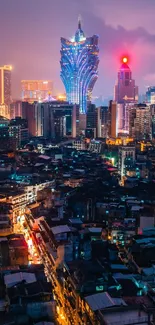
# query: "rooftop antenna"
(79, 22)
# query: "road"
(65, 314)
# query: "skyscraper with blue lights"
(79, 67)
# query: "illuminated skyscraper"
(5, 85)
(79, 67)
(125, 92)
(36, 90)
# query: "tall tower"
(79, 67)
(125, 93)
(125, 90)
(5, 85)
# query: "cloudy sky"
(30, 32)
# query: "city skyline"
(33, 49)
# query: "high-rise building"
(91, 121)
(102, 121)
(112, 118)
(29, 113)
(18, 131)
(140, 122)
(126, 158)
(4, 133)
(5, 84)
(96, 121)
(125, 92)
(15, 109)
(150, 95)
(104, 114)
(132, 117)
(79, 67)
(36, 90)
(152, 108)
(53, 120)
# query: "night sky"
(30, 33)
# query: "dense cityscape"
(77, 195)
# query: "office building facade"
(152, 108)
(79, 67)
(36, 90)
(28, 113)
(123, 118)
(4, 133)
(52, 120)
(18, 132)
(15, 109)
(5, 85)
(102, 112)
(96, 122)
(150, 95)
(112, 119)
(91, 121)
(126, 158)
(140, 122)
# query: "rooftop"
(103, 300)
(30, 289)
(12, 279)
(125, 317)
(60, 229)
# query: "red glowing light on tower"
(124, 59)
